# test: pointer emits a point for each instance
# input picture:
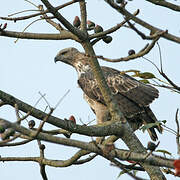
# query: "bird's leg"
(102, 115)
(101, 111)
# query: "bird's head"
(74, 58)
(67, 55)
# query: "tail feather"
(149, 117)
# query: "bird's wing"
(129, 87)
(121, 85)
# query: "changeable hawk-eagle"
(132, 96)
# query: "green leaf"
(146, 75)
(127, 170)
(145, 81)
(122, 172)
(150, 125)
(164, 121)
(163, 151)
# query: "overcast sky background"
(28, 67)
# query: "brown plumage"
(132, 96)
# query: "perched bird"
(132, 96)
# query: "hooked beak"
(56, 59)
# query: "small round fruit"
(131, 52)
(76, 22)
(151, 146)
(98, 29)
(90, 24)
(107, 39)
(42, 147)
(31, 124)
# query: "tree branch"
(61, 19)
(91, 147)
(37, 14)
(113, 29)
(141, 53)
(141, 22)
(83, 16)
(40, 36)
(108, 128)
(165, 4)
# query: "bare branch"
(83, 16)
(165, 4)
(164, 75)
(43, 122)
(141, 22)
(141, 53)
(48, 20)
(82, 161)
(178, 132)
(40, 36)
(120, 154)
(15, 144)
(113, 29)
(61, 19)
(108, 128)
(37, 14)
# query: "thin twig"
(29, 10)
(178, 132)
(43, 97)
(16, 143)
(37, 14)
(43, 122)
(31, 3)
(82, 161)
(62, 98)
(28, 27)
(137, 55)
(164, 75)
(113, 29)
(42, 166)
(146, 25)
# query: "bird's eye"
(63, 53)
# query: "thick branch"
(108, 128)
(165, 4)
(61, 19)
(92, 147)
(83, 16)
(40, 36)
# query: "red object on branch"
(5, 26)
(176, 164)
(131, 161)
(72, 118)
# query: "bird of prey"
(133, 97)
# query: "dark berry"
(98, 29)
(107, 39)
(90, 24)
(151, 146)
(31, 124)
(131, 52)
(42, 147)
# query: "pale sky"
(28, 67)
